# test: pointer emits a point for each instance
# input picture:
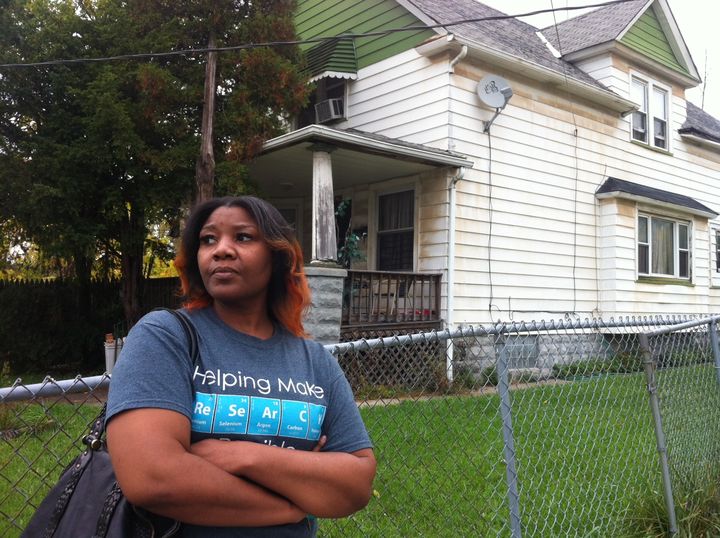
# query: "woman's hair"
(288, 291)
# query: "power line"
(246, 46)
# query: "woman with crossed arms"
(262, 434)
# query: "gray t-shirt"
(285, 391)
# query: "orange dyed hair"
(288, 290)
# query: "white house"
(593, 192)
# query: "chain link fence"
(522, 429)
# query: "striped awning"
(332, 58)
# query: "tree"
(95, 153)
(248, 96)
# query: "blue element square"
(264, 416)
(203, 412)
(231, 414)
(295, 417)
(317, 416)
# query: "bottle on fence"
(112, 350)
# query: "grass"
(697, 512)
(33, 452)
(441, 462)
(586, 460)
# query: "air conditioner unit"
(328, 110)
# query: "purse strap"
(94, 438)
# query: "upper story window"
(663, 247)
(650, 121)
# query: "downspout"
(450, 348)
(449, 318)
(451, 69)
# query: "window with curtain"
(663, 247)
(396, 231)
(650, 120)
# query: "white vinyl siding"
(532, 240)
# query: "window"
(639, 117)
(717, 251)
(663, 247)
(290, 215)
(522, 351)
(396, 233)
(292, 211)
(327, 89)
(650, 121)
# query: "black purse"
(87, 501)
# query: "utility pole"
(205, 165)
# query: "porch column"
(324, 243)
(324, 276)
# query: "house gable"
(647, 37)
(644, 31)
(320, 18)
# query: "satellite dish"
(494, 91)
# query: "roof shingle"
(593, 28)
(700, 123)
(512, 36)
(620, 185)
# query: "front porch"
(390, 302)
(388, 197)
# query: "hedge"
(43, 330)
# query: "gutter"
(700, 140)
(320, 133)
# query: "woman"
(263, 431)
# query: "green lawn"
(585, 455)
(30, 463)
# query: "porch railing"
(383, 297)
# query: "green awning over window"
(332, 58)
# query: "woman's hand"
(321, 444)
(158, 470)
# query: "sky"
(697, 20)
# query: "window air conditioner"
(328, 110)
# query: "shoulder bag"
(87, 501)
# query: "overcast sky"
(698, 22)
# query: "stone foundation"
(324, 316)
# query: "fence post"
(449, 360)
(503, 387)
(715, 347)
(659, 435)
